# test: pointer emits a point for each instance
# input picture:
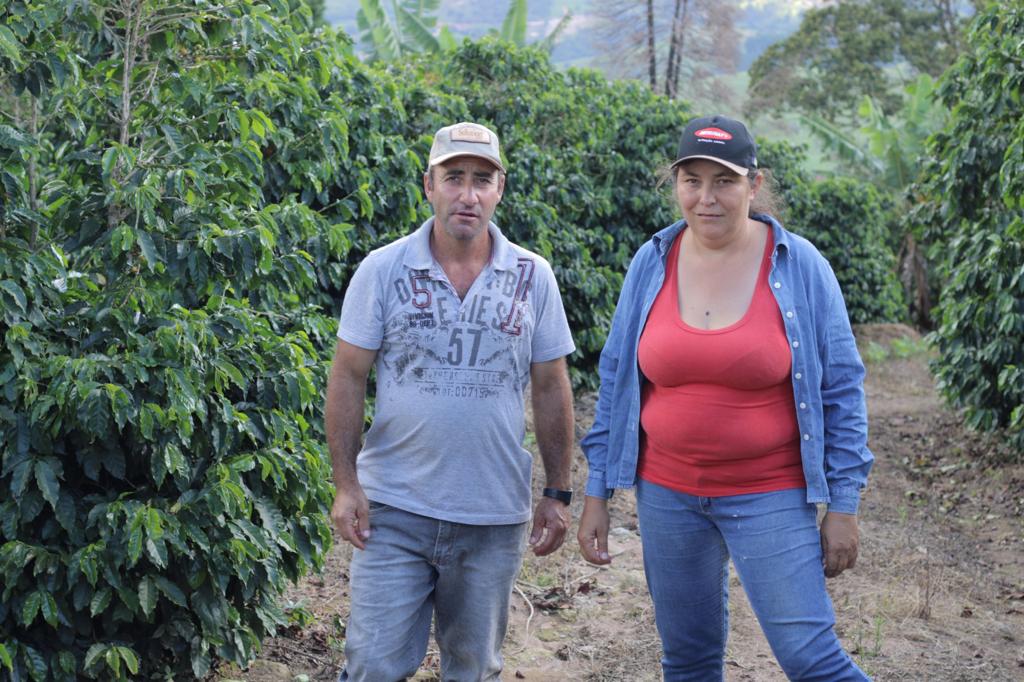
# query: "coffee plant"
(974, 213)
(163, 468)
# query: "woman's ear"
(755, 184)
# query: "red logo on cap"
(713, 133)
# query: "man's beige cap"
(465, 139)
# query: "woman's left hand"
(840, 540)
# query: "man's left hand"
(840, 540)
(551, 520)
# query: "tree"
(973, 184)
(688, 42)
(853, 48)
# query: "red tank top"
(717, 408)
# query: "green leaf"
(157, 466)
(135, 539)
(5, 657)
(68, 664)
(414, 28)
(272, 518)
(93, 655)
(130, 659)
(365, 202)
(148, 247)
(154, 524)
(174, 460)
(157, 551)
(15, 139)
(30, 609)
(378, 33)
(257, 127)
(20, 476)
(147, 595)
(49, 608)
(173, 137)
(547, 43)
(16, 292)
(88, 564)
(243, 126)
(10, 47)
(232, 373)
(185, 396)
(446, 39)
(35, 662)
(46, 479)
(109, 159)
(65, 512)
(513, 28)
(171, 591)
(113, 659)
(200, 662)
(100, 601)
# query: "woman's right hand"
(593, 532)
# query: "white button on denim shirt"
(833, 449)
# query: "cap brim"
(739, 170)
(452, 155)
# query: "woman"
(732, 397)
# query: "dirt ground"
(937, 593)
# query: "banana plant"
(412, 26)
(513, 28)
(886, 151)
(886, 148)
(411, 29)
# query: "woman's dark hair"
(768, 199)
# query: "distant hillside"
(761, 24)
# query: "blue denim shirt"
(827, 374)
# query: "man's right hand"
(593, 532)
(351, 515)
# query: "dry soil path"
(937, 594)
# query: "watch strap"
(564, 496)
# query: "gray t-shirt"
(447, 435)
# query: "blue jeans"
(414, 567)
(774, 543)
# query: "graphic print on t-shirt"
(460, 349)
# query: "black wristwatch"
(564, 496)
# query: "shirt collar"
(780, 236)
(419, 257)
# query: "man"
(457, 321)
